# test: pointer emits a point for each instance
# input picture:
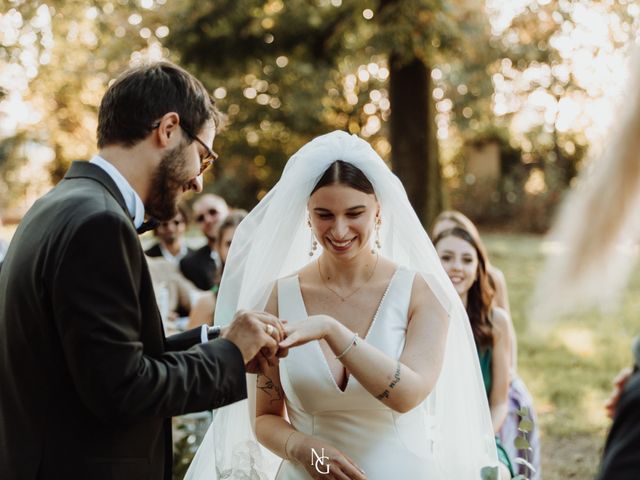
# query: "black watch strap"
(213, 332)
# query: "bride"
(382, 377)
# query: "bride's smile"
(341, 245)
(343, 219)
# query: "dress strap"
(290, 303)
(405, 279)
(398, 295)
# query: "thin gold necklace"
(356, 290)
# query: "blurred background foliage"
(429, 83)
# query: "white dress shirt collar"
(131, 198)
(174, 259)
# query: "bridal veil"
(273, 242)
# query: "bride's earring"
(314, 243)
(377, 243)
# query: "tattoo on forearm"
(383, 395)
(267, 385)
(394, 382)
(396, 377)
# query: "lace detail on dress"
(247, 463)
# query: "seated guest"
(453, 218)
(203, 309)
(173, 291)
(170, 235)
(225, 237)
(465, 262)
(200, 267)
(519, 396)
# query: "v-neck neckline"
(371, 325)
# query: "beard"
(166, 184)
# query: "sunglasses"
(212, 212)
(208, 159)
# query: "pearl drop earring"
(314, 243)
(377, 243)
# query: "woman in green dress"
(465, 262)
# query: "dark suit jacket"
(621, 460)
(200, 268)
(154, 251)
(88, 381)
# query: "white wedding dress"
(384, 443)
(448, 437)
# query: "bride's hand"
(315, 327)
(329, 464)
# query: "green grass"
(568, 364)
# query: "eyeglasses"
(208, 159)
(212, 212)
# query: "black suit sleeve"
(98, 314)
(184, 340)
(621, 460)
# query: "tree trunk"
(414, 149)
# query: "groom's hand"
(256, 334)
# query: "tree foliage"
(287, 71)
(541, 49)
(291, 70)
(69, 51)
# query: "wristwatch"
(213, 332)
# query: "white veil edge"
(272, 242)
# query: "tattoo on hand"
(267, 385)
(394, 382)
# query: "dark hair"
(480, 296)
(344, 173)
(142, 95)
(183, 211)
(231, 221)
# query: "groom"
(88, 382)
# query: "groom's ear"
(167, 129)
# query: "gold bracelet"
(352, 344)
(286, 454)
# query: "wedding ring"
(269, 329)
